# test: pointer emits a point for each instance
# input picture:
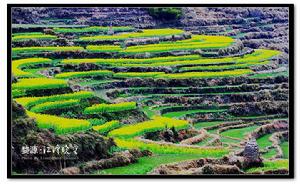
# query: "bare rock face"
(251, 154)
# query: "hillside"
(204, 93)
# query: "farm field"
(146, 101)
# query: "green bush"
(166, 13)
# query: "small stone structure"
(251, 154)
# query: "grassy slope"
(146, 164)
(264, 141)
(271, 165)
(285, 148)
(239, 133)
(182, 113)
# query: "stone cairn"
(251, 154)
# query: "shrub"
(165, 13)
(102, 108)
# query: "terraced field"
(169, 97)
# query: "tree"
(166, 13)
